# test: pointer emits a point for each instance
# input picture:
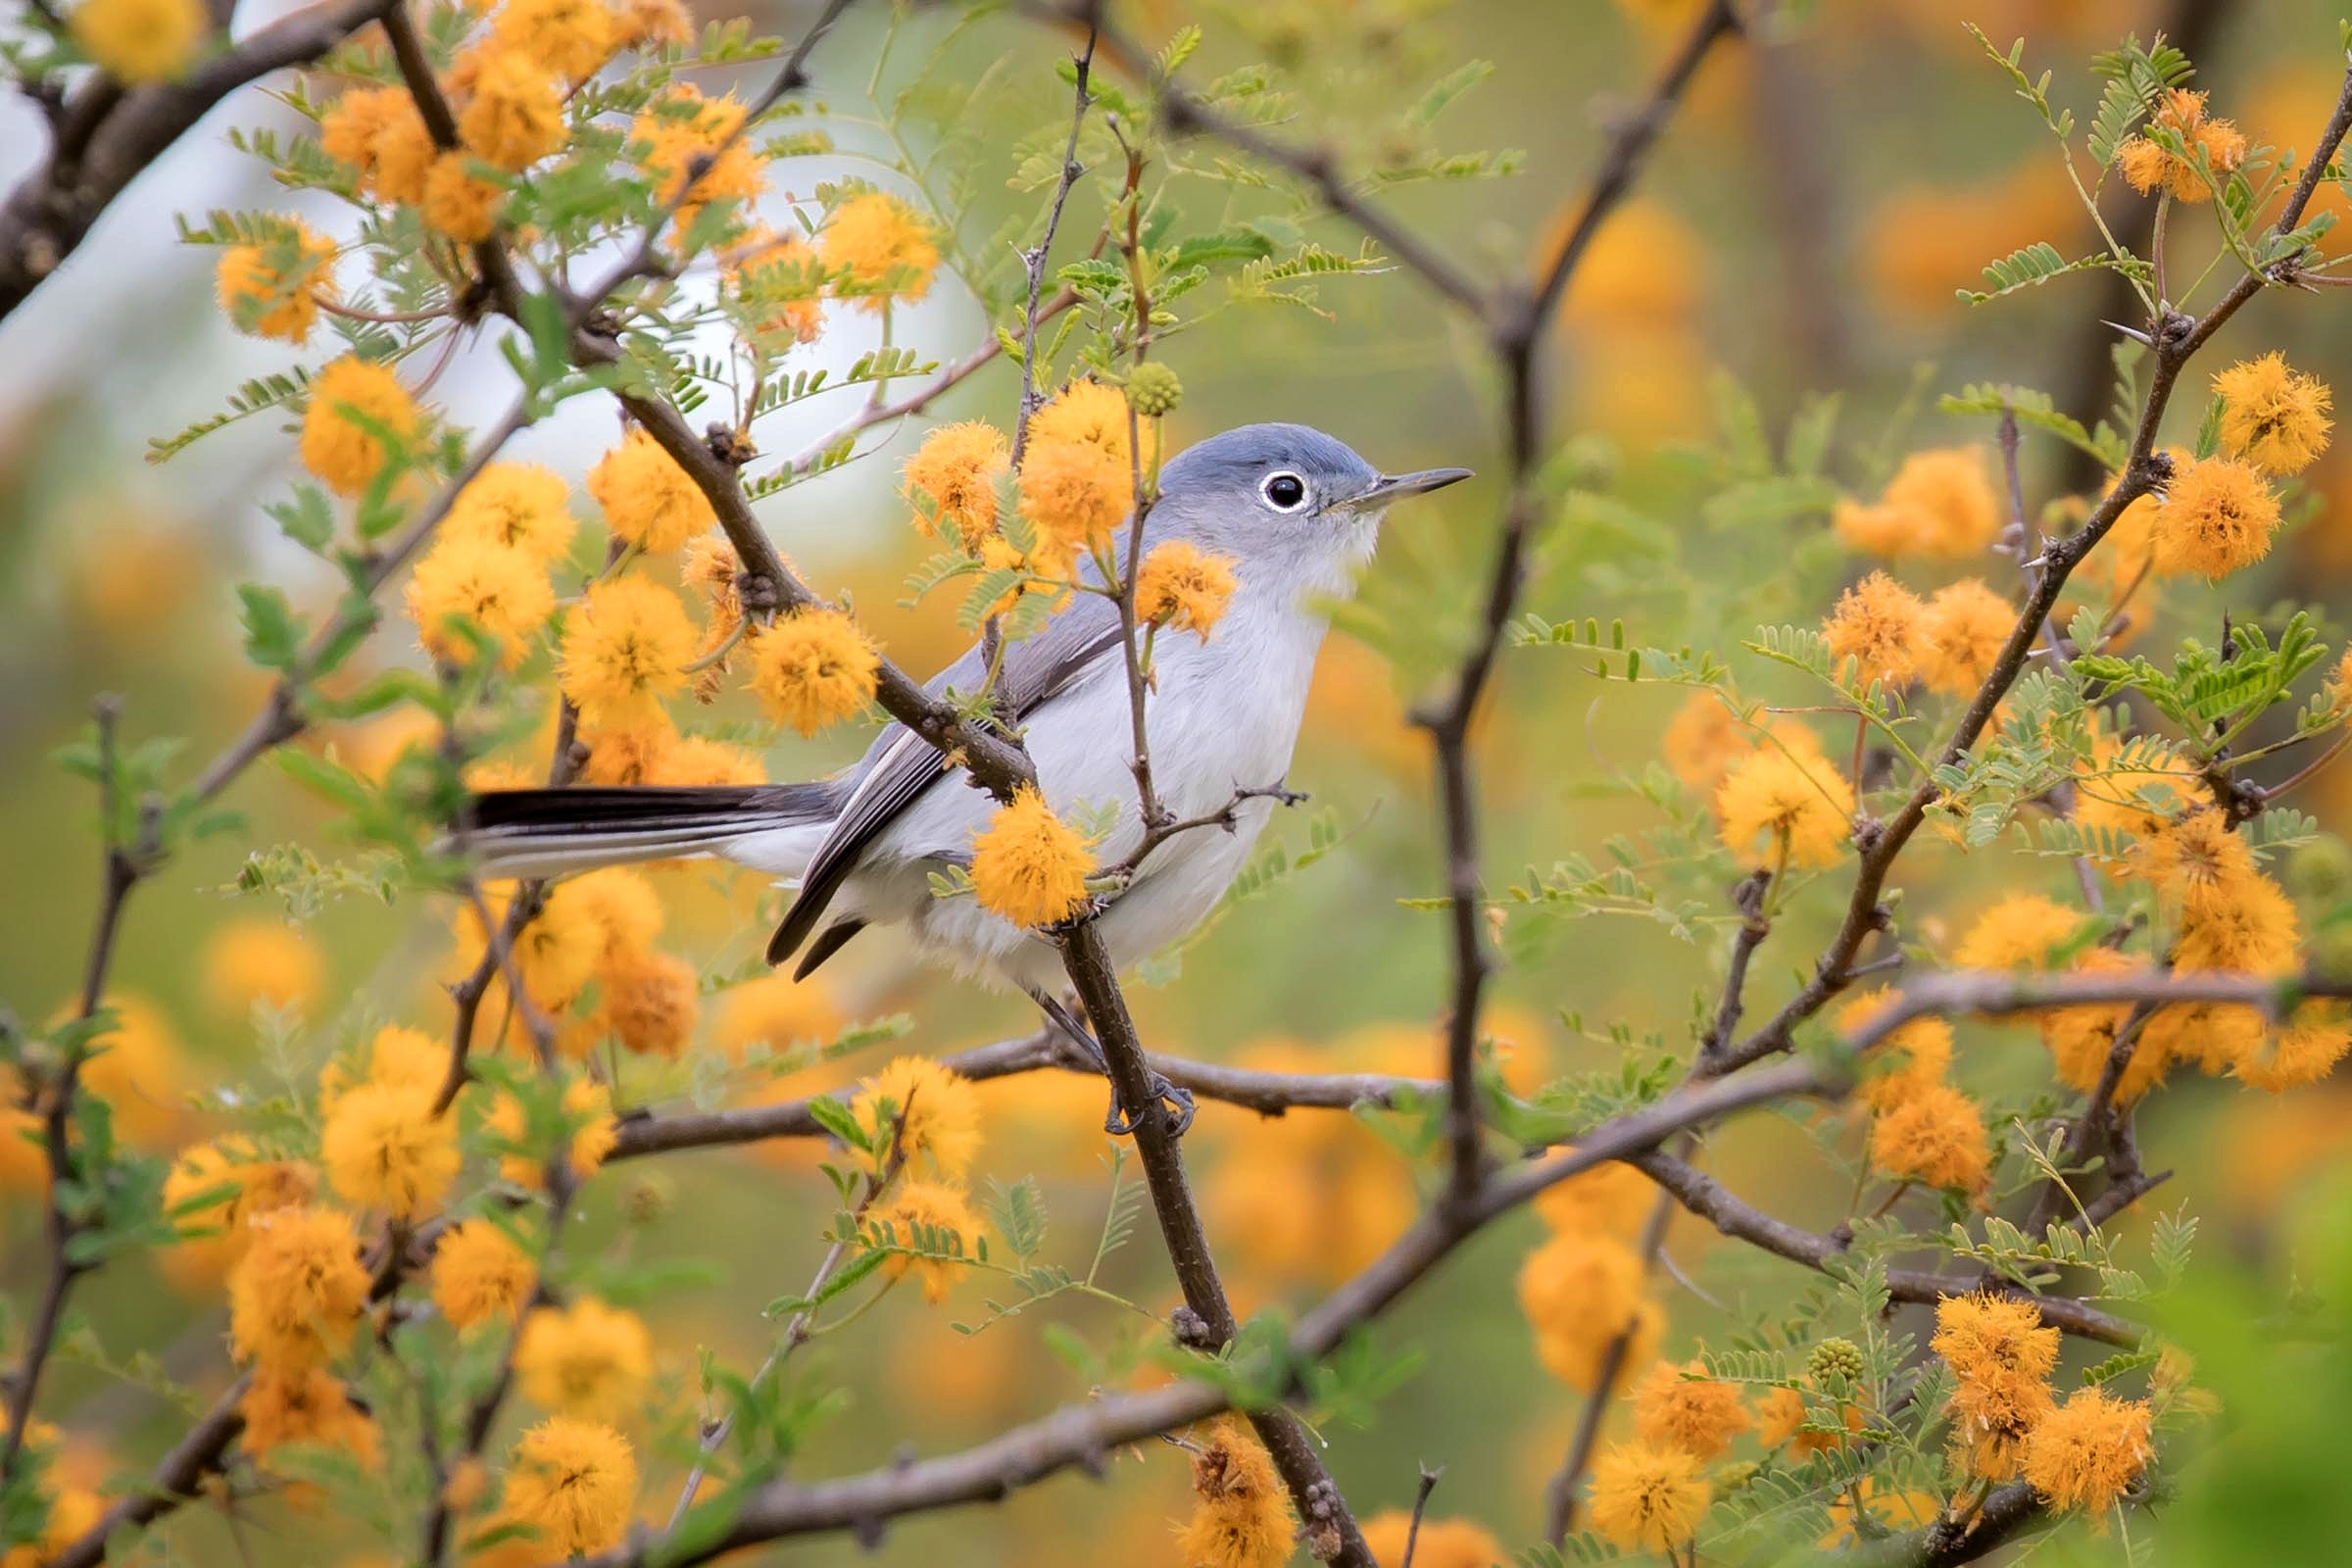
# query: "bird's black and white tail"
(536, 833)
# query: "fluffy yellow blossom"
(298, 1290)
(587, 1110)
(555, 952)
(623, 906)
(779, 282)
(1676, 1407)
(2086, 1453)
(1947, 501)
(1077, 478)
(937, 1210)
(2150, 168)
(2195, 858)
(218, 1188)
(776, 1012)
(1775, 804)
(2211, 1036)
(141, 40)
(1441, 1542)
(335, 446)
(1936, 1136)
(457, 203)
(573, 1483)
(501, 590)
(933, 1110)
(814, 667)
(1877, 625)
(700, 760)
(633, 748)
(1963, 632)
(1580, 1292)
(2273, 417)
(1241, 1514)
(1027, 866)
(521, 505)
(2001, 1357)
(2017, 933)
(624, 650)
(380, 132)
(264, 960)
(884, 249)
(2248, 926)
(513, 115)
(683, 129)
(953, 479)
(384, 1147)
(1705, 738)
(1780, 1416)
(647, 498)
(398, 1057)
(1912, 1058)
(1648, 1497)
(2218, 515)
(2081, 1038)
(305, 1406)
(1612, 1199)
(2130, 802)
(2302, 1052)
(649, 1002)
(479, 1273)
(569, 38)
(639, 23)
(1183, 586)
(587, 1359)
(272, 289)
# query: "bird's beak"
(1396, 486)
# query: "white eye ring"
(1266, 489)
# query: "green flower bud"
(1835, 1362)
(1154, 390)
(1736, 1476)
(2320, 869)
(647, 1202)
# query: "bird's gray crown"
(1241, 458)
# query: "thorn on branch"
(1192, 1332)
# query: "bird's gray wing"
(900, 764)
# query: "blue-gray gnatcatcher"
(1297, 510)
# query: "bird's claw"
(1179, 1101)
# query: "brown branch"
(108, 135)
(1033, 260)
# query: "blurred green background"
(1802, 228)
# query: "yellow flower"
(624, 650)
(935, 1218)
(682, 129)
(1612, 1199)
(1772, 804)
(2081, 1038)
(623, 907)
(814, 667)
(2214, 1037)
(1877, 625)
(2248, 926)
(2017, 933)
(775, 1011)
(141, 40)
(651, 1001)
(384, 1147)
(647, 500)
(2273, 417)
(398, 1057)
(882, 247)
(515, 115)
(2001, 1357)
(555, 952)
(1182, 585)
(380, 132)
(1934, 1136)
(246, 961)
(575, 1484)
(1880, 528)
(272, 289)
(2303, 1052)
(2086, 1453)
(779, 284)
(307, 1405)
(335, 446)
(1027, 866)
(244, 1186)
(1966, 626)
(634, 749)
(699, 760)
(2218, 515)
(2195, 858)
(73, 1511)
(479, 1273)
(1903, 1062)
(519, 504)
(298, 1290)
(2149, 167)
(1705, 738)
(931, 1108)
(955, 473)
(1648, 1497)
(1078, 475)
(1241, 1514)
(569, 38)
(587, 1110)
(588, 1360)
(1580, 1292)
(1675, 1408)
(1441, 1542)
(459, 203)
(1950, 500)
(501, 590)
(638, 23)
(2109, 798)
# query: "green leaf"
(272, 634)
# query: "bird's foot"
(1175, 1099)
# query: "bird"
(1298, 514)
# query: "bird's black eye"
(1284, 492)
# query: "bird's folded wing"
(900, 764)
